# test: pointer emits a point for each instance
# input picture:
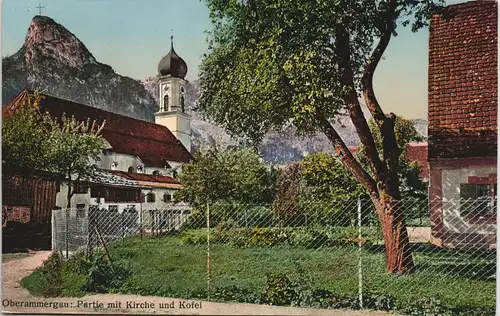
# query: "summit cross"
(40, 8)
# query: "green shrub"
(257, 216)
(426, 307)
(105, 276)
(473, 311)
(46, 280)
(320, 298)
(261, 237)
(79, 262)
(378, 301)
(197, 219)
(235, 294)
(194, 237)
(226, 233)
(280, 290)
(226, 225)
(72, 283)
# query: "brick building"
(462, 150)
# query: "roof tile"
(153, 143)
(463, 81)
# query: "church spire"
(172, 64)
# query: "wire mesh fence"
(85, 229)
(400, 252)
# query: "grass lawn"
(6, 257)
(179, 268)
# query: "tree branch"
(345, 155)
(367, 79)
(350, 96)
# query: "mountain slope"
(282, 147)
(55, 61)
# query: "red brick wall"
(463, 81)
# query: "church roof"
(153, 143)
(172, 65)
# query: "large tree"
(305, 62)
(74, 149)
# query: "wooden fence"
(29, 199)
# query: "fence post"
(140, 217)
(89, 231)
(360, 270)
(209, 274)
(97, 228)
(67, 233)
(123, 228)
(53, 230)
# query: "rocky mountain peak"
(48, 39)
(54, 61)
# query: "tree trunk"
(69, 195)
(398, 254)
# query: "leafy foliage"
(235, 174)
(75, 145)
(275, 62)
(310, 238)
(25, 144)
(46, 280)
(280, 290)
(33, 140)
(326, 177)
(78, 275)
(103, 276)
(410, 183)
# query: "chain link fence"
(322, 253)
(89, 228)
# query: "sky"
(133, 35)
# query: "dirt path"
(13, 294)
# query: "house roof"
(144, 177)
(463, 81)
(132, 180)
(417, 152)
(149, 180)
(108, 178)
(153, 143)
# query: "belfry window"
(165, 103)
(182, 103)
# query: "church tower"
(172, 113)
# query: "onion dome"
(172, 64)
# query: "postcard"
(249, 157)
